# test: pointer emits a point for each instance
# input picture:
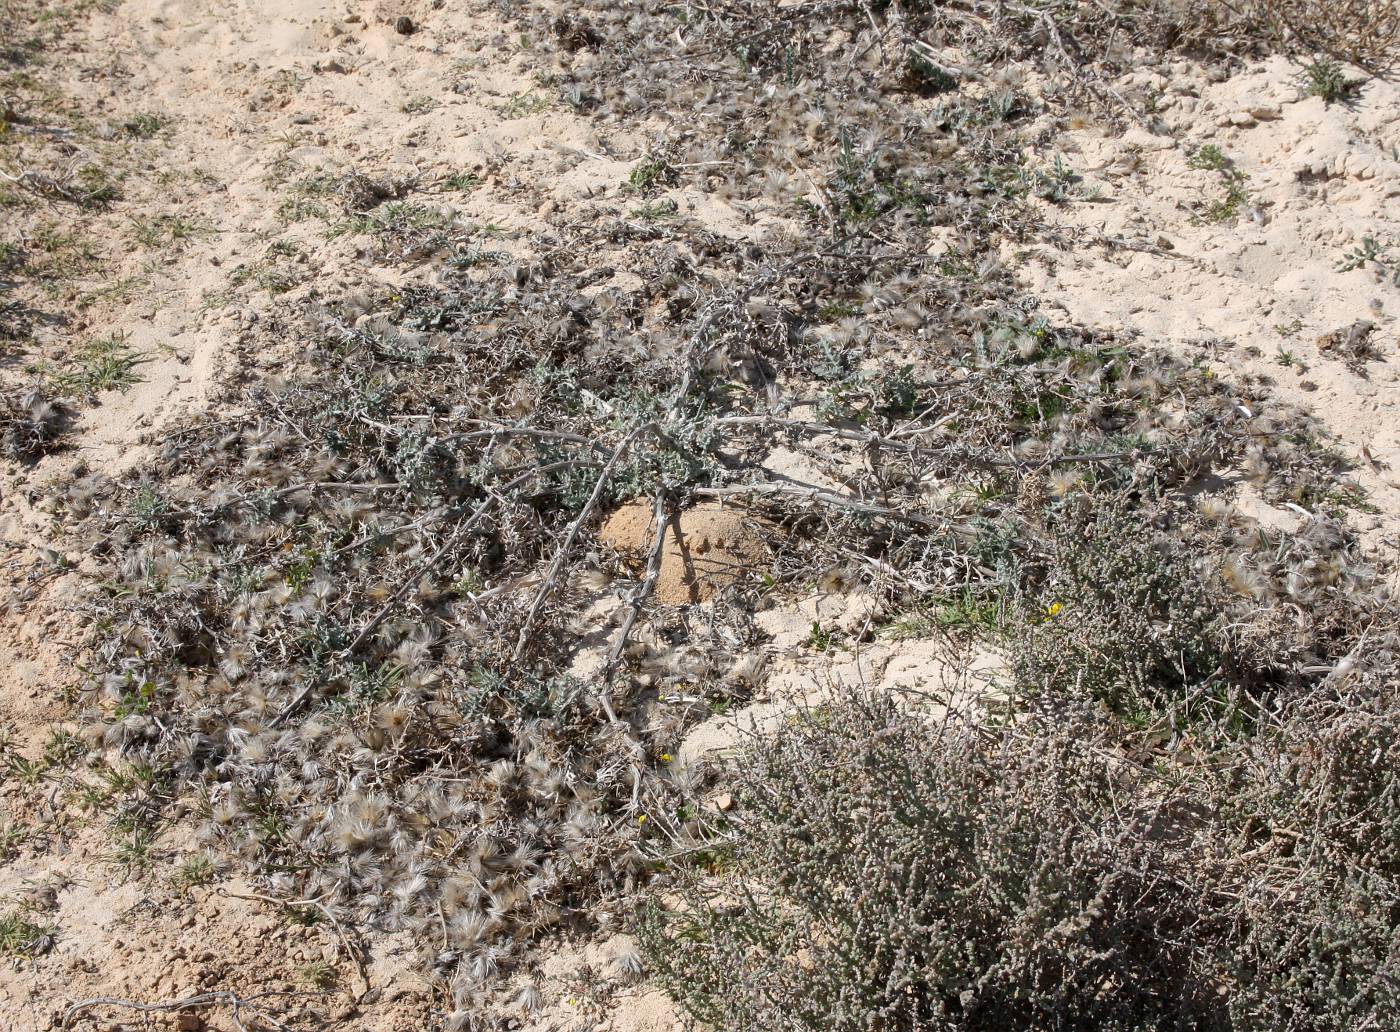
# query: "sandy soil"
(263, 92)
(1261, 296)
(704, 548)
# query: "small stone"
(1243, 119)
(1141, 139)
(404, 26)
(188, 1021)
(1265, 112)
(723, 801)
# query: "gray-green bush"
(891, 871)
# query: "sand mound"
(707, 547)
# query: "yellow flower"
(642, 819)
(665, 757)
(1052, 610)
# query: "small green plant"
(1371, 252)
(967, 611)
(138, 777)
(266, 275)
(315, 184)
(304, 916)
(167, 230)
(1326, 78)
(397, 218)
(523, 105)
(463, 182)
(650, 173)
(860, 191)
(26, 771)
(149, 508)
(287, 80)
(654, 211)
(1289, 360)
(212, 300)
(469, 583)
(1054, 184)
(21, 937)
(134, 851)
(92, 798)
(61, 748)
(95, 187)
(819, 639)
(136, 698)
(908, 627)
(318, 974)
(1209, 158)
(144, 126)
(194, 869)
(834, 311)
(11, 257)
(12, 836)
(58, 255)
(119, 290)
(106, 364)
(418, 105)
(299, 209)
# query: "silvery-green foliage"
(891, 872)
(884, 869)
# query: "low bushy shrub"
(893, 872)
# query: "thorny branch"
(200, 1001)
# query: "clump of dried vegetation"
(28, 425)
(339, 624)
(1364, 32)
